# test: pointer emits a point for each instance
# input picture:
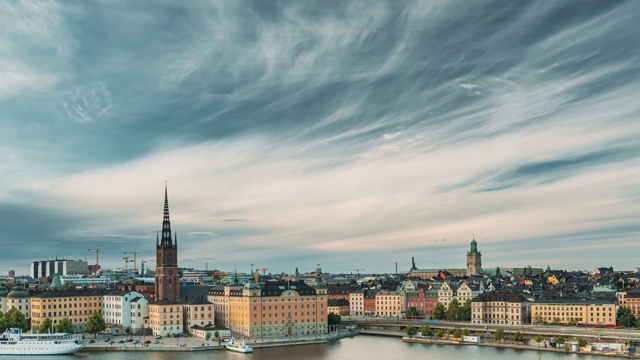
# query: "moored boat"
(15, 342)
(238, 346)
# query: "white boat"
(238, 346)
(15, 342)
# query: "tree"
(410, 330)
(334, 319)
(96, 323)
(582, 342)
(14, 318)
(425, 330)
(625, 317)
(518, 337)
(65, 326)
(456, 333)
(68, 285)
(498, 274)
(499, 335)
(559, 340)
(466, 332)
(439, 312)
(465, 311)
(412, 312)
(539, 339)
(45, 326)
(452, 311)
(216, 334)
(439, 333)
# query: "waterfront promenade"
(198, 344)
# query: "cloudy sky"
(347, 133)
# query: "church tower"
(474, 260)
(167, 283)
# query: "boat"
(238, 346)
(15, 342)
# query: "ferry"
(15, 342)
(237, 346)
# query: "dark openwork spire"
(166, 240)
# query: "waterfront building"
(165, 318)
(370, 302)
(20, 299)
(339, 291)
(388, 303)
(573, 311)
(500, 308)
(198, 312)
(46, 268)
(272, 309)
(338, 307)
(120, 310)
(630, 299)
(4, 291)
(474, 260)
(76, 305)
(356, 302)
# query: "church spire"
(166, 224)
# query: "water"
(360, 347)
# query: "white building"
(356, 303)
(118, 314)
(20, 299)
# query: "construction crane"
(356, 270)
(135, 261)
(97, 250)
(126, 262)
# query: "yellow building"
(76, 305)
(197, 312)
(339, 307)
(574, 311)
(165, 318)
(388, 303)
(273, 309)
(499, 308)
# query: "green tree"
(556, 321)
(425, 330)
(45, 326)
(625, 317)
(410, 330)
(65, 326)
(466, 332)
(518, 337)
(499, 335)
(456, 333)
(96, 323)
(412, 312)
(498, 274)
(539, 339)
(439, 312)
(334, 319)
(559, 340)
(453, 310)
(465, 311)
(14, 318)
(582, 342)
(438, 334)
(216, 334)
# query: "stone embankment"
(496, 344)
(196, 344)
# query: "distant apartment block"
(46, 268)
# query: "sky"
(351, 134)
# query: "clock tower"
(167, 283)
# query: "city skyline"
(350, 134)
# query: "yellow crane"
(135, 261)
(97, 250)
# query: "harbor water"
(359, 347)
